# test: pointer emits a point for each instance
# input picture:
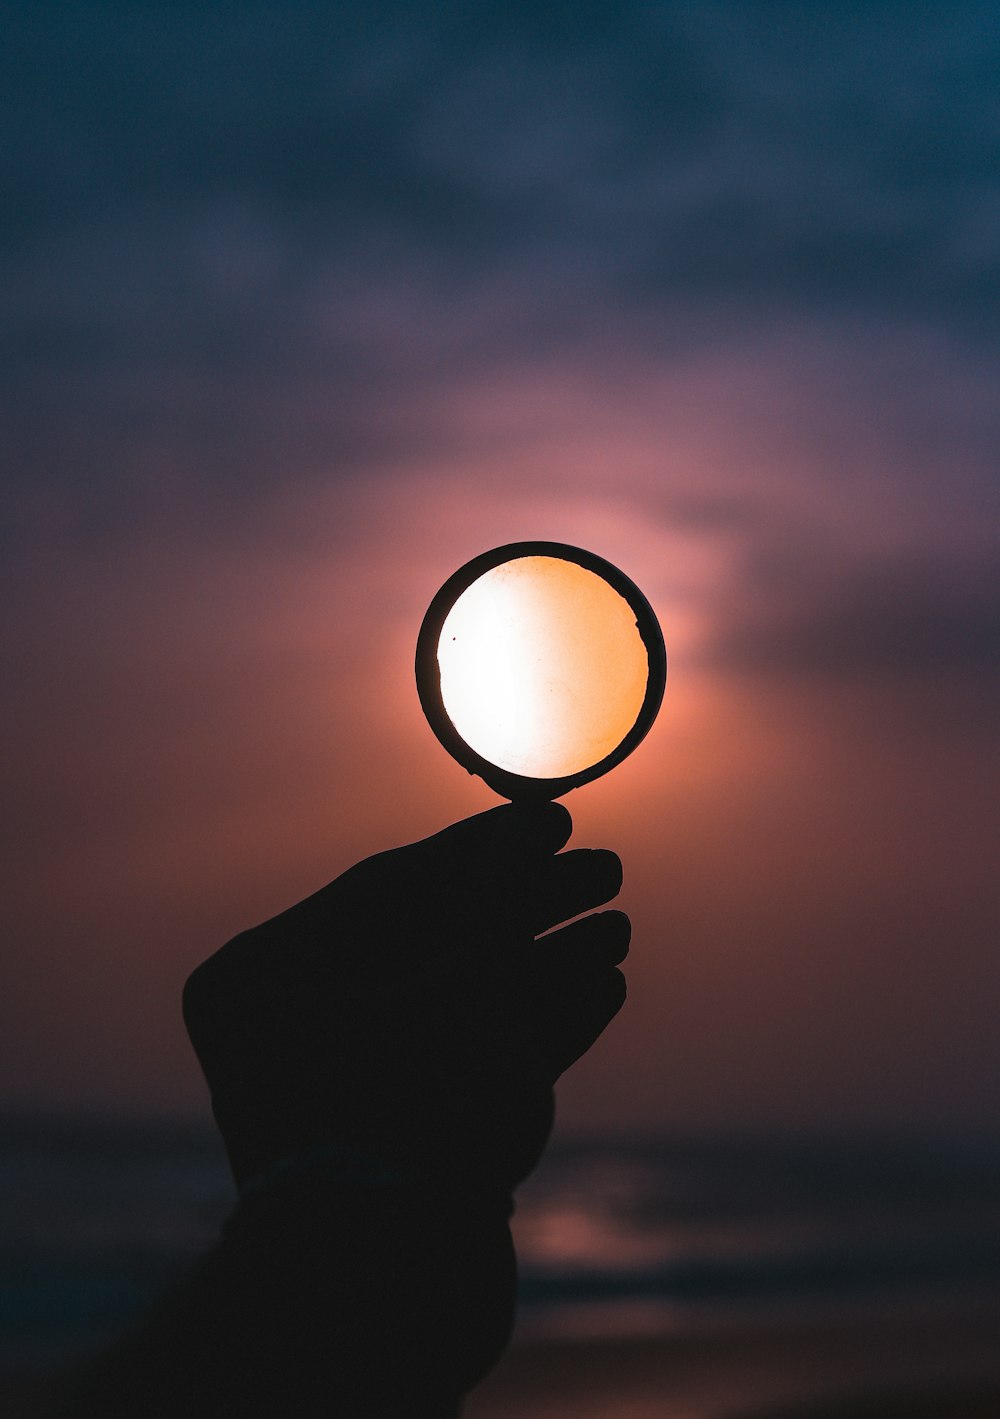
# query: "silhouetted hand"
(407, 1012)
(381, 1060)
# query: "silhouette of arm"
(381, 1060)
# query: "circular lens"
(539, 667)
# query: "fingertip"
(549, 823)
(605, 936)
(619, 928)
(617, 991)
(607, 868)
(539, 826)
(621, 871)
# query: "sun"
(543, 669)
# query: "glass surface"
(543, 669)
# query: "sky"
(303, 307)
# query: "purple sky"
(301, 313)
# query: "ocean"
(684, 1234)
(677, 1240)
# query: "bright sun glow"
(543, 670)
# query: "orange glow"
(543, 670)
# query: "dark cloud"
(914, 617)
(252, 247)
(760, 151)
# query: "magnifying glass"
(540, 666)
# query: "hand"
(407, 1010)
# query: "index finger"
(489, 868)
(510, 834)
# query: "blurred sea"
(672, 1239)
(681, 1235)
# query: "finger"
(594, 942)
(489, 868)
(472, 870)
(575, 882)
(571, 1017)
(513, 832)
(576, 987)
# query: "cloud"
(686, 151)
(730, 269)
(916, 618)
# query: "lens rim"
(428, 671)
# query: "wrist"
(337, 1164)
(333, 1255)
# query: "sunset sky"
(304, 306)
